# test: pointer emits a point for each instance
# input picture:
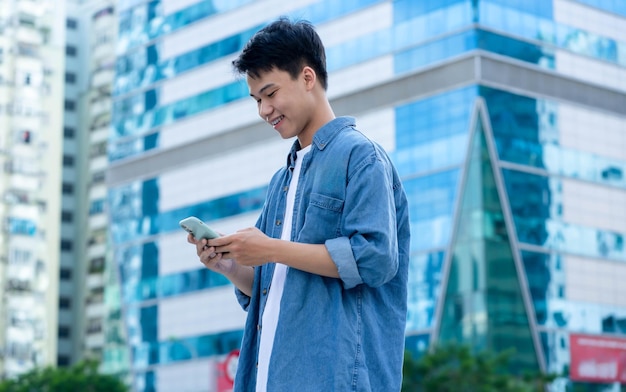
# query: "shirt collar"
(323, 136)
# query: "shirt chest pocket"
(322, 219)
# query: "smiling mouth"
(275, 121)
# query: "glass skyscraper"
(505, 118)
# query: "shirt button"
(264, 291)
(278, 222)
(285, 188)
(258, 327)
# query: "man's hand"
(208, 256)
(214, 260)
(248, 247)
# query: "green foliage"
(455, 368)
(83, 377)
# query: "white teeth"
(277, 120)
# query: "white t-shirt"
(272, 306)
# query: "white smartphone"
(197, 228)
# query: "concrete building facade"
(32, 43)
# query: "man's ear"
(310, 77)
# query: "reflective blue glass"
(432, 195)
(447, 47)
(140, 114)
(165, 286)
(417, 345)
(184, 349)
(555, 346)
(141, 67)
(146, 22)
(131, 146)
(424, 285)
(164, 115)
(408, 9)
(431, 204)
(614, 6)
(97, 206)
(430, 156)
(435, 118)
(22, 227)
(532, 197)
(542, 274)
(542, 56)
(526, 132)
(431, 136)
(542, 9)
(404, 61)
(547, 283)
(134, 213)
(323, 11)
(584, 316)
(401, 36)
(533, 27)
(435, 51)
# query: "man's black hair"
(287, 46)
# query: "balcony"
(28, 34)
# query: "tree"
(454, 368)
(82, 377)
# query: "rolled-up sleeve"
(340, 251)
(243, 299)
(367, 252)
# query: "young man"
(323, 274)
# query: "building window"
(63, 360)
(69, 132)
(94, 325)
(98, 177)
(70, 77)
(71, 23)
(68, 160)
(98, 149)
(25, 136)
(19, 351)
(70, 105)
(70, 50)
(65, 303)
(96, 265)
(67, 188)
(67, 216)
(64, 331)
(65, 273)
(97, 206)
(66, 245)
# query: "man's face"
(283, 102)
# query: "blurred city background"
(506, 120)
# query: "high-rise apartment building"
(32, 43)
(90, 59)
(505, 118)
(71, 275)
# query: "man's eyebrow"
(263, 88)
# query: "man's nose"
(264, 111)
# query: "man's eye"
(271, 94)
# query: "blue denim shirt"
(335, 334)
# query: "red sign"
(226, 372)
(597, 358)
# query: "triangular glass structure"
(483, 304)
